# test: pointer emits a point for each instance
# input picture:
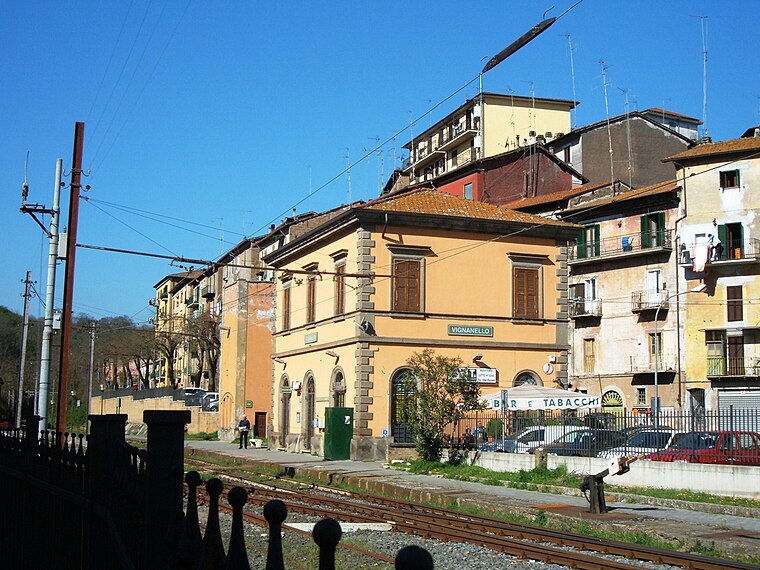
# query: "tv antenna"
(704, 74)
(573, 111)
(605, 84)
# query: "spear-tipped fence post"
(326, 534)
(213, 548)
(413, 558)
(275, 512)
(237, 556)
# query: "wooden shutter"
(286, 307)
(406, 285)
(311, 300)
(597, 240)
(734, 303)
(580, 246)
(340, 289)
(526, 294)
(645, 231)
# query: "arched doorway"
(309, 403)
(338, 389)
(402, 400)
(284, 411)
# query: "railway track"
(520, 540)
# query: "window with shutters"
(730, 179)
(734, 303)
(653, 230)
(311, 299)
(407, 285)
(340, 287)
(286, 304)
(588, 243)
(526, 303)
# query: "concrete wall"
(200, 422)
(727, 480)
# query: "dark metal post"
(163, 484)
(68, 284)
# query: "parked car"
(193, 396)
(642, 442)
(722, 447)
(207, 399)
(535, 436)
(585, 442)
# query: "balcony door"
(654, 287)
(735, 350)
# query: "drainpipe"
(679, 396)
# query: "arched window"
(309, 404)
(338, 389)
(526, 378)
(284, 410)
(403, 402)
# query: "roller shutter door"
(739, 409)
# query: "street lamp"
(656, 405)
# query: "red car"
(724, 447)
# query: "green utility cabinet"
(339, 429)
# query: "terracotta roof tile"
(555, 196)
(653, 190)
(723, 147)
(442, 204)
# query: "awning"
(531, 397)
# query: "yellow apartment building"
(485, 126)
(720, 250)
(360, 293)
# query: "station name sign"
(470, 330)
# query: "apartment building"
(720, 252)
(625, 318)
(360, 293)
(484, 126)
(628, 147)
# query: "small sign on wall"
(249, 403)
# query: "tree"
(167, 343)
(204, 333)
(442, 392)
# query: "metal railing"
(649, 300)
(484, 428)
(584, 308)
(731, 250)
(665, 362)
(623, 244)
(733, 366)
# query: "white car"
(642, 442)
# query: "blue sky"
(207, 121)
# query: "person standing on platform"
(244, 427)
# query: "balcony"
(665, 363)
(649, 300)
(581, 308)
(732, 252)
(208, 291)
(622, 246)
(458, 132)
(732, 366)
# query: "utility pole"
(89, 373)
(68, 285)
(24, 331)
(47, 329)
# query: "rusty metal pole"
(68, 282)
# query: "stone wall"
(200, 421)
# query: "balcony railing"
(731, 250)
(721, 366)
(632, 244)
(665, 362)
(649, 300)
(578, 308)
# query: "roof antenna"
(573, 111)
(607, 112)
(704, 75)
